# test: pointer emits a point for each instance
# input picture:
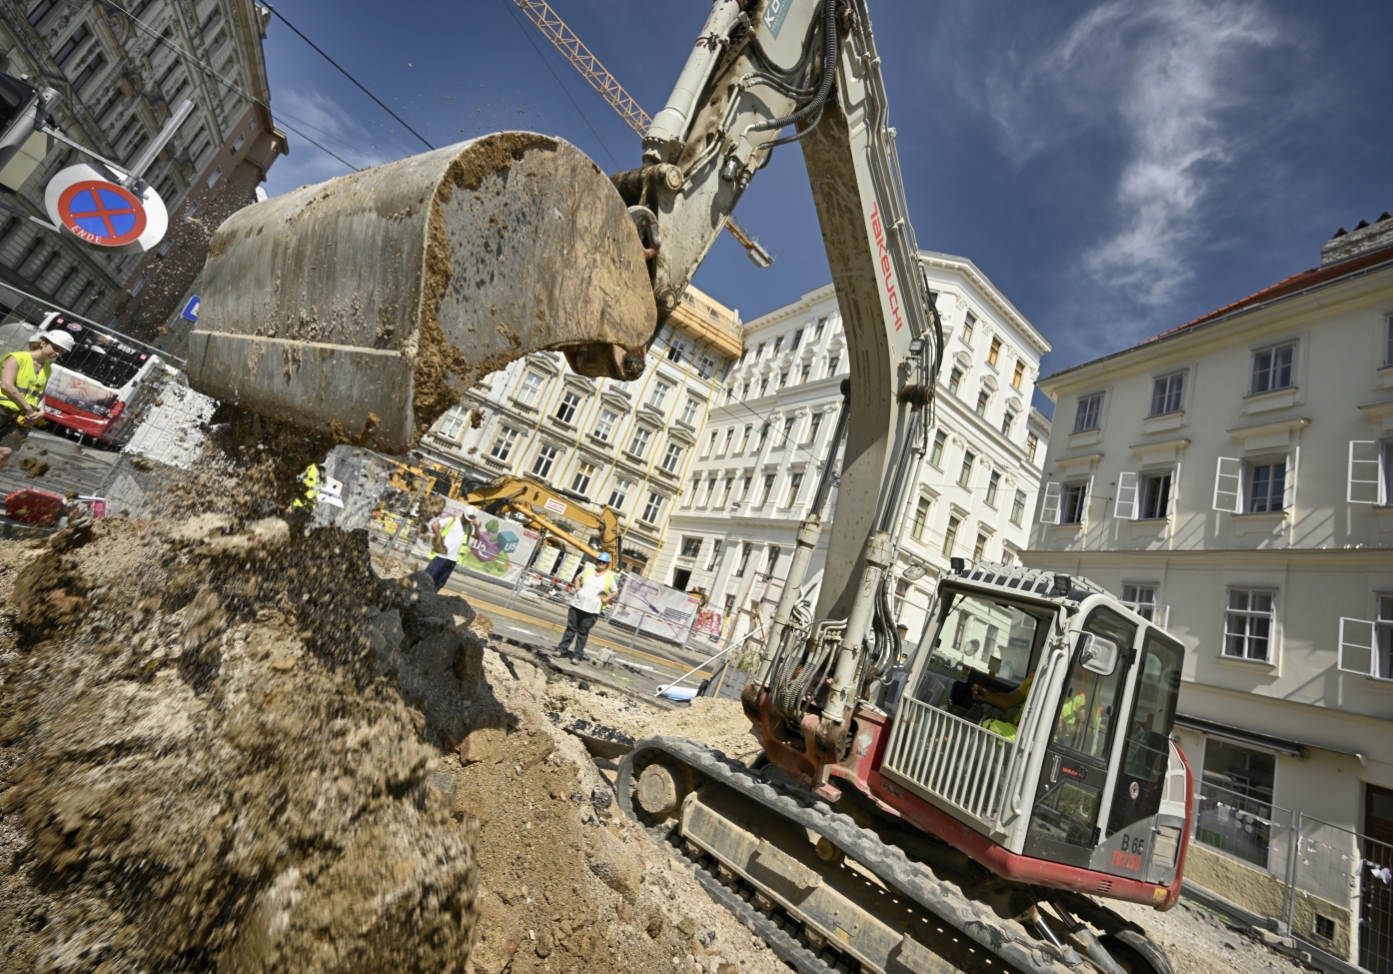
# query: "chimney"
(1363, 239)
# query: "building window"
(93, 66)
(936, 452)
(1072, 501)
(451, 423)
(743, 353)
(1388, 341)
(566, 412)
(691, 547)
(696, 489)
(814, 424)
(745, 549)
(1156, 496)
(763, 435)
(1140, 598)
(658, 396)
(745, 440)
(1267, 487)
(759, 351)
(715, 554)
(1168, 394)
(530, 389)
(730, 435)
(1272, 368)
(771, 561)
(833, 361)
(795, 484)
(1248, 625)
(1235, 806)
(710, 490)
(993, 483)
(503, 445)
(1089, 414)
(706, 366)
(619, 493)
(955, 378)
(994, 352)
(1019, 375)
(1018, 507)
(797, 340)
(763, 385)
(676, 348)
(40, 11)
(788, 431)
(806, 371)
(652, 508)
(921, 519)
(745, 487)
(585, 473)
(979, 550)
(213, 179)
(689, 411)
(1007, 422)
(745, 392)
(1032, 443)
(725, 493)
(546, 456)
(639, 444)
(604, 426)
(711, 446)
(671, 458)
(783, 379)
(817, 332)
(965, 474)
(768, 489)
(983, 398)
(778, 344)
(950, 536)
(969, 325)
(70, 46)
(241, 140)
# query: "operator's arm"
(7, 382)
(1007, 700)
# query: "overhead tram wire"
(350, 77)
(545, 63)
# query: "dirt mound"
(212, 767)
(720, 723)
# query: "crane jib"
(887, 273)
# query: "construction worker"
(23, 378)
(595, 587)
(1010, 701)
(448, 536)
(311, 496)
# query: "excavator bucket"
(362, 307)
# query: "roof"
(1290, 285)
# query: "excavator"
(970, 802)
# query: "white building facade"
(1231, 478)
(770, 433)
(625, 444)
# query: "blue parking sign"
(191, 309)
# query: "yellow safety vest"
(311, 482)
(31, 385)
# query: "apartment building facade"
(770, 435)
(123, 69)
(625, 444)
(1231, 478)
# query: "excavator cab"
(1038, 712)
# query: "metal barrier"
(1242, 826)
(951, 759)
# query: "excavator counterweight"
(361, 307)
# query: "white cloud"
(324, 120)
(1157, 78)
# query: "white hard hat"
(61, 339)
(470, 511)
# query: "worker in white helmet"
(23, 378)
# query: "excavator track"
(948, 921)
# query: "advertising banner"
(710, 623)
(500, 548)
(656, 609)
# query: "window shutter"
(1127, 505)
(1228, 485)
(1293, 467)
(1175, 490)
(1049, 508)
(1364, 472)
(1357, 653)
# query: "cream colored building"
(123, 69)
(625, 444)
(768, 437)
(1231, 477)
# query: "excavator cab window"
(983, 641)
(1146, 755)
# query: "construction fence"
(1325, 885)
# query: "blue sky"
(1116, 168)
